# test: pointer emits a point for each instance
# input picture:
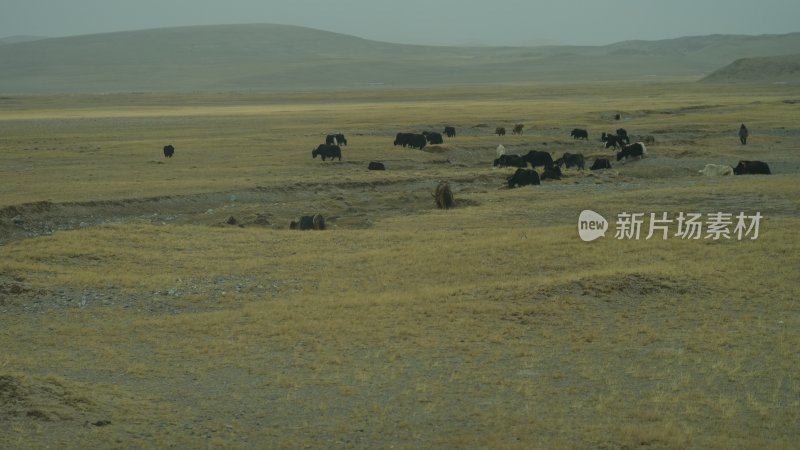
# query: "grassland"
(132, 315)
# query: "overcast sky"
(437, 22)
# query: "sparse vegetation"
(133, 315)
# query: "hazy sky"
(439, 22)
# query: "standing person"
(743, 134)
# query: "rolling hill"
(282, 57)
(771, 69)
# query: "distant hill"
(717, 49)
(18, 39)
(771, 69)
(281, 57)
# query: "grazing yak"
(433, 138)
(743, 133)
(751, 168)
(517, 129)
(630, 151)
(411, 140)
(169, 150)
(601, 163)
(510, 161)
(449, 131)
(716, 170)
(579, 133)
(523, 177)
(374, 165)
(538, 158)
(571, 160)
(443, 196)
(315, 222)
(335, 139)
(500, 131)
(327, 151)
(500, 150)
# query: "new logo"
(591, 225)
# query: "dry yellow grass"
(488, 325)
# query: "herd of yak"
(526, 165)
